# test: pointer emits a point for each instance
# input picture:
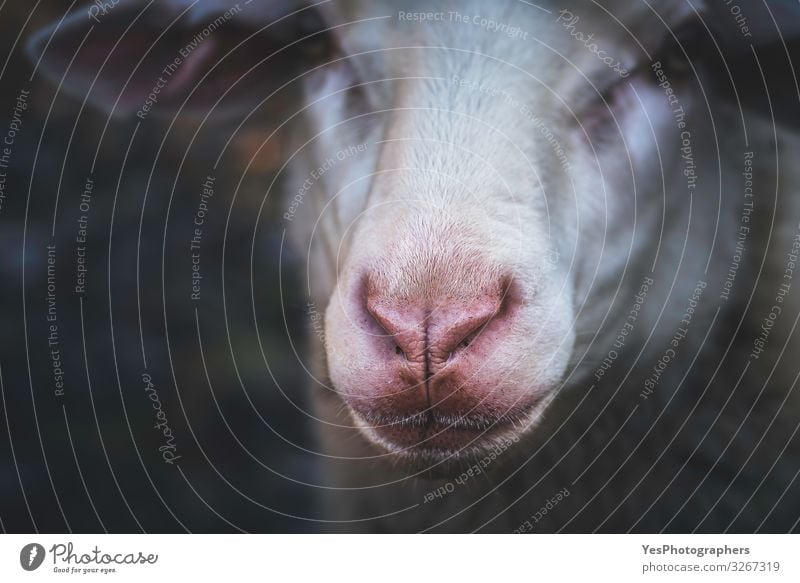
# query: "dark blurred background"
(85, 456)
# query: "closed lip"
(433, 431)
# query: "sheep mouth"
(434, 438)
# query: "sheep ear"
(134, 57)
(760, 38)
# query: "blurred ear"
(137, 58)
(761, 39)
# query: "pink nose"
(433, 375)
(428, 334)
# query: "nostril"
(392, 322)
(467, 326)
(401, 327)
(459, 327)
(413, 327)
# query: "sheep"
(551, 250)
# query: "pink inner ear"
(191, 70)
(96, 42)
(174, 62)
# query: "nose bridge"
(432, 257)
(445, 138)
